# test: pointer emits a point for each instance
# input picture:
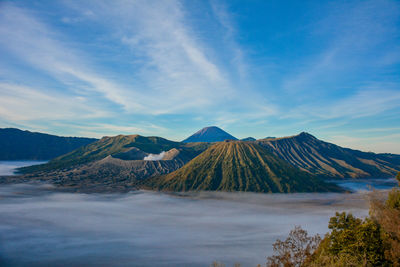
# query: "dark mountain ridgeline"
(209, 134)
(16, 144)
(239, 166)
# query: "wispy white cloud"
(22, 103)
(377, 130)
(363, 104)
(368, 101)
(78, 18)
(36, 44)
(381, 144)
(230, 31)
(177, 73)
(359, 34)
(253, 115)
(106, 129)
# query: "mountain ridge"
(302, 151)
(308, 153)
(16, 144)
(239, 166)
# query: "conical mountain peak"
(209, 134)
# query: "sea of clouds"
(40, 226)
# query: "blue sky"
(169, 68)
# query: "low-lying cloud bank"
(46, 228)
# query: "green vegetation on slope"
(239, 166)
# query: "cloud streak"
(33, 42)
(387, 143)
(359, 35)
(366, 102)
(177, 74)
(22, 103)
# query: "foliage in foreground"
(353, 242)
(295, 250)
(373, 241)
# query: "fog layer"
(8, 167)
(42, 227)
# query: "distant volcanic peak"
(209, 128)
(210, 134)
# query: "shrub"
(387, 215)
(294, 251)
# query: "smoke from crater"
(155, 156)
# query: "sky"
(169, 68)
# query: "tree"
(351, 242)
(387, 214)
(294, 250)
(374, 241)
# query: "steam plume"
(155, 156)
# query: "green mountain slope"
(322, 158)
(126, 147)
(239, 166)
